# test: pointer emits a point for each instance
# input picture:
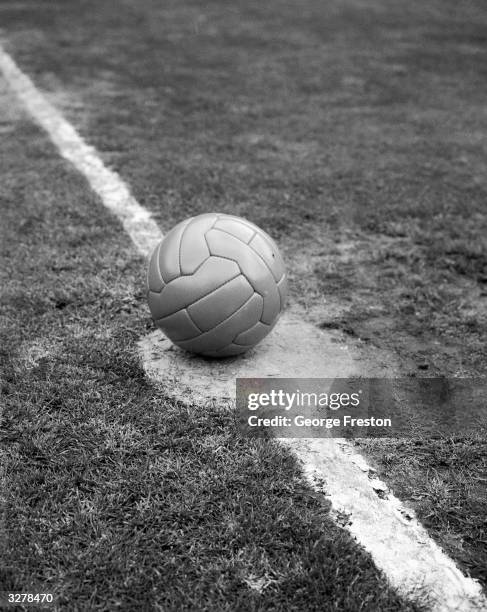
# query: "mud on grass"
(411, 295)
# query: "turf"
(114, 497)
(445, 483)
(352, 131)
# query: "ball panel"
(224, 333)
(194, 249)
(252, 266)
(253, 335)
(169, 252)
(266, 248)
(241, 221)
(229, 298)
(178, 326)
(272, 305)
(235, 228)
(185, 290)
(282, 288)
(229, 351)
(154, 300)
(155, 281)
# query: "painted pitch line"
(399, 545)
(107, 184)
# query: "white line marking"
(399, 546)
(114, 193)
(398, 543)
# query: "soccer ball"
(216, 285)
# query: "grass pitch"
(352, 132)
(115, 497)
